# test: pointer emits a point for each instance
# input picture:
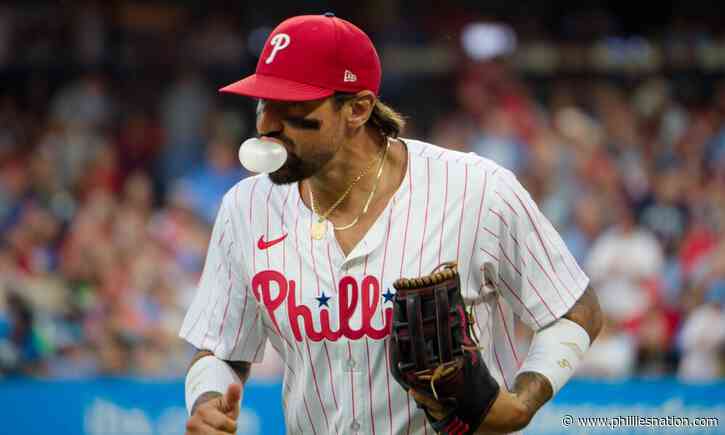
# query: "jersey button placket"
(352, 366)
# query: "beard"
(297, 169)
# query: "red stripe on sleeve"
(443, 218)
(463, 208)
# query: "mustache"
(289, 143)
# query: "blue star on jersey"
(388, 295)
(322, 300)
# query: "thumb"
(230, 401)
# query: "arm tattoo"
(533, 389)
(209, 395)
(587, 313)
(242, 368)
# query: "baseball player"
(303, 258)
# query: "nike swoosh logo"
(261, 244)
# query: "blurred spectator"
(84, 103)
(205, 185)
(621, 262)
(611, 356)
(184, 108)
(702, 339)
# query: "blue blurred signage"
(138, 407)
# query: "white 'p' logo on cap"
(279, 42)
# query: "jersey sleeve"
(524, 257)
(223, 316)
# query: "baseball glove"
(434, 350)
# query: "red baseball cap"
(309, 57)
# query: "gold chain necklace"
(318, 228)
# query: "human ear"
(359, 109)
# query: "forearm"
(587, 313)
(241, 368)
(513, 410)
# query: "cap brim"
(275, 88)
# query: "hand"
(216, 416)
(436, 409)
(507, 414)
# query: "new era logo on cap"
(349, 76)
(310, 57)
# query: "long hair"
(384, 118)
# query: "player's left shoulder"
(467, 169)
(453, 157)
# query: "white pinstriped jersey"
(327, 314)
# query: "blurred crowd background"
(115, 150)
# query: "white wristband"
(208, 374)
(556, 352)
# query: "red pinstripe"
(314, 375)
(506, 330)
(541, 298)
(251, 198)
(329, 366)
(299, 355)
(324, 343)
(221, 239)
(241, 321)
(251, 207)
(352, 382)
(425, 221)
(226, 311)
(507, 203)
(489, 254)
(546, 273)
(307, 408)
(402, 261)
(286, 363)
(478, 224)
(538, 235)
(281, 225)
(505, 255)
(463, 208)
(208, 322)
(269, 195)
(518, 299)
(500, 217)
(491, 233)
(317, 386)
(201, 312)
(298, 423)
(314, 262)
(407, 218)
(493, 347)
(566, 266)
(256, 352)
(553, 316)
(382, 317)
(256, 319)
(370, 386)
(443, 218)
